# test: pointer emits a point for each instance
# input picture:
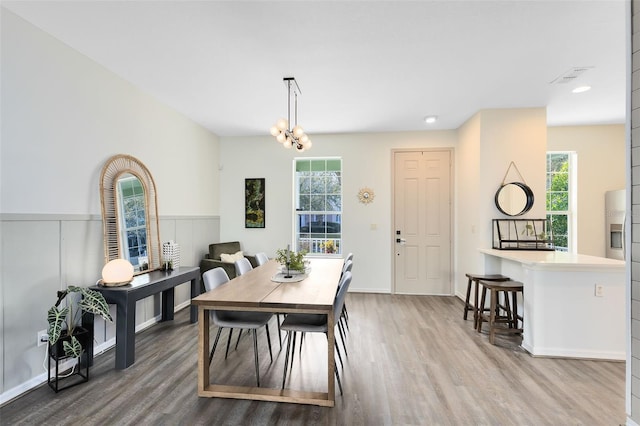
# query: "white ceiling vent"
(570, 75)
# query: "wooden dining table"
(257, 291)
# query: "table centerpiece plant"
(296, 260)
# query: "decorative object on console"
(522, 234)
(117, 272)
(68, 338)
(254, 203)
(170, 255)
(282, 130)
(514, 198)
(116, 171)
(366, 195)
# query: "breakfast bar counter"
(574, 305)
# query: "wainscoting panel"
(44, 253)
(30, 280)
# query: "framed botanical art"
(254, 201)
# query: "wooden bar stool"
(510, 308)
(473, 282)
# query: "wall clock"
(366, 195)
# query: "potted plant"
(330, 246)
(295, 260)
(65, 323)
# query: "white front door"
(422, 215)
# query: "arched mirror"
(514, 198)
(130, 213)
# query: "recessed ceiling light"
(430, 119)
(581, 89)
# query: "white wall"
(366, 162)
(600, 167)
(62, 116)
(488, 142)
(468, 225)
(486, 145)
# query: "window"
(318, 205)
(560, 198)
(133, 218)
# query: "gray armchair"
(212, 259)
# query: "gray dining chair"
(315, 323)
(261, 258)
(242, 266)
(347, 266)
(236, 319)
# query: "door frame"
(392, 240)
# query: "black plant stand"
(56, 354)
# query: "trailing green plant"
(296, 260)
(64, 321)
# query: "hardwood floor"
(411, 361)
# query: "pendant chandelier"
(287, 136)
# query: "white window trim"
(294, 203)
(572, 213)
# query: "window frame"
(318, 246)
(571, 212)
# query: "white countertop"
(557, 259)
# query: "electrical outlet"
(43, 337)
(599, 291)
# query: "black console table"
(144, 285)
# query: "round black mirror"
(514, 199)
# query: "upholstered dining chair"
(347, 266)
(242, 266)
(344, 318)
(236, 319)
(315, 323)
(261, 258)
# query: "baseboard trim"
(25, 387)
(577, 353)
(98, 350)
(368, 290)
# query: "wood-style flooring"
(411, 361)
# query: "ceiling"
(362, 66)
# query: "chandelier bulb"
(281, 137)
(298, 132)
(287, 143)
(274, 131)
(282, 124)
